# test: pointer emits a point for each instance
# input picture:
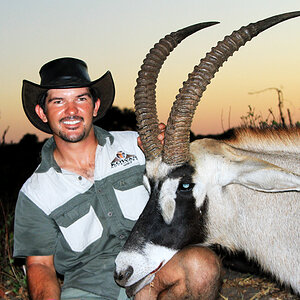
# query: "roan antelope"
(241, 193)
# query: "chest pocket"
(80, 226)
(132, 196)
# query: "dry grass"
(238, 286)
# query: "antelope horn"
(145, 99)
(177, 135)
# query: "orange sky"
(116, 35)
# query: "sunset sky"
(116, 35)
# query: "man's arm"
(42, 280)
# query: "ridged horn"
(145, 97)
(177, 135)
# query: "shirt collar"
(103, 135)
(48, 160)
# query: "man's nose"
(71, 108)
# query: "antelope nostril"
(122, 277)
(118, 276)
(128, 272)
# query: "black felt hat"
(64, 73)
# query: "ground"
(245, 286)
(236, 286)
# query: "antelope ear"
(263, 176)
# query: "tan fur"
(267, 140)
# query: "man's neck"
(77, 157)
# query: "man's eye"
(185, 187)
(82, 99)
(57, 102)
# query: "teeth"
(71, 122)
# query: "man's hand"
(161, 136)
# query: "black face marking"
(185, 171)
(188, 224)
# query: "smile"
(71, 122)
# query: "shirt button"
(109, 213)
(121, 236)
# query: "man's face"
(69, 113)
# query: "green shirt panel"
(27, 240)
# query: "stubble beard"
(72, 139)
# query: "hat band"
(65, 82)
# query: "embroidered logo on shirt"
(123, 159)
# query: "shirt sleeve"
(34, 231)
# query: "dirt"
(245, 286)
(236, 286)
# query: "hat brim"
(32, 93)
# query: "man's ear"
(40, 112)
(96, 108)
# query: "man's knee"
(193, 273)
(202, 270)
(199, 260)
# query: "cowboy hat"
(64, 73)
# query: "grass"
(13, 283)
(284, 120)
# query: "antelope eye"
(185, 187)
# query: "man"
(75, 212)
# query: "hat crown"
(64, 72)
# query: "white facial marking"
(199, 193)
(143, 263)
(157, 169)
(167, 198)
(147, 184)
